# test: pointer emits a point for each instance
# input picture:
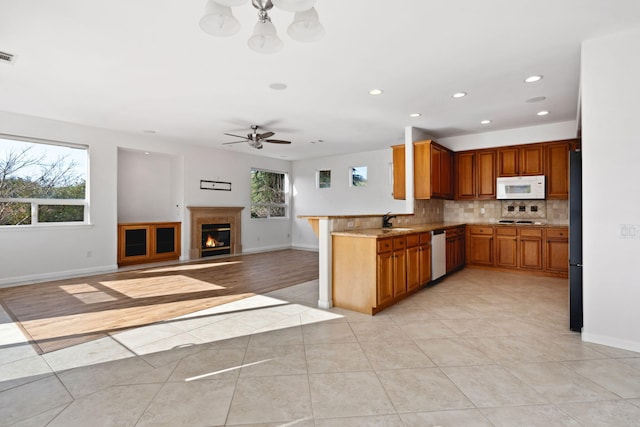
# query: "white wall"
(341, 199)
(147, 189)
(610, 159)
(48, 252)
(501, 138)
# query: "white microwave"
(520, 187)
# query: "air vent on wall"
(8, 58)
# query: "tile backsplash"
(550, 211)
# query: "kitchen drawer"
(413, 240)
(385, 245)
(557, 233)
(530, 232)
(454, 232)
(425, 238)
(476, 229)
(506, 231)
(399, 243)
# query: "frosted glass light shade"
(218, 20)
(264, 38)
(306, 26)
(294, 5)
(230, 3)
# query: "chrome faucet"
(386, 220)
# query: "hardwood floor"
(62, 313)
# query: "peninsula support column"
(325, 297)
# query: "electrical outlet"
(522, 208)
(534, 208)
(511, 208)
(350, 224)
(89, 254)
(481, 211)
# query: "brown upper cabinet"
(557, 169)
(475, 174)
(521, 160)
(433, 171)
(399, 172)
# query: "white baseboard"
(58, 275)
(611, 342)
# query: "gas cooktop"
(520, 221)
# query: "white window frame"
(284, 205)
(37, 202)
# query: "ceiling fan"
(256, 139)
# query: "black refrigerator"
(575, 241)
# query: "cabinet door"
(446, 174)
(399, 171)
(399, 273)
(465, 180)
(436, 171)
(134, 243)
(557, 250)
(460, 255)
(486, 174)
(481, 249)
(506, 251)
(530, 248)
(385, 278)
(413, 268)
(422, 169)
(508, 161)
(531, 160)
(425, 263)
(557, 170)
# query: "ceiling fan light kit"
(218, 20)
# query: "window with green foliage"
(42, 182)
(269, 194)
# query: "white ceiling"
(136, 65)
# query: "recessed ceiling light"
(536, 99)
(485, 122)
(459, 94)
(278, 86)
(543, 113)
(375, 92)
(533, 79)
(146, 153)
(149, 131)
(415, 115)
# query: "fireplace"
(216, 239)
(224, 222)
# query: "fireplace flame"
(211, 242)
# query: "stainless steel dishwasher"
(438, 254)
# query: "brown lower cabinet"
(455, 248)
(370, 273)
(524, 248)
(140, 243)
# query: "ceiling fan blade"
(237, 136)
(276, 141)
(265, 135)
(234, 142)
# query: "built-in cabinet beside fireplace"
(143, 242)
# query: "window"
(269, 194)
(42, 182)
(324, 179)
(358, 176)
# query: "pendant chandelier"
(218, 20)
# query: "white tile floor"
(478, 349)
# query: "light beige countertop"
(397, 231)
(421, 228)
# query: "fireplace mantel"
(210, 215)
